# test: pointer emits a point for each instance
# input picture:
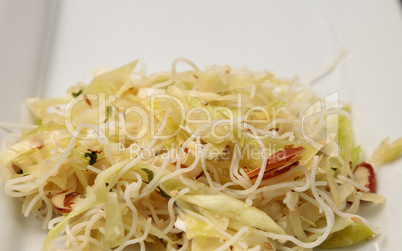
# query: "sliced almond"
(280, 162)
(16, 169)
(364, 175)
(64, 202)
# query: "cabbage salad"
(214, 159)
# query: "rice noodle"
(137, 240)
(233, 240)
(31, 205)
(132, 191)
(354, 183)
(172, 217)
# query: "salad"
(214, 159)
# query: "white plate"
(289, 37)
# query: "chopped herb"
(107, 184)
(333, 168)
(76, 94)
(150, 174)
(163, 193)
(92, 157)
(109, 112)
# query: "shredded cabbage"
(235, 209)
(354, 233)
(387, 151)
(219, 159)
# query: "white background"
(50, 45)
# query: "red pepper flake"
(87, 100)
(181, 165)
